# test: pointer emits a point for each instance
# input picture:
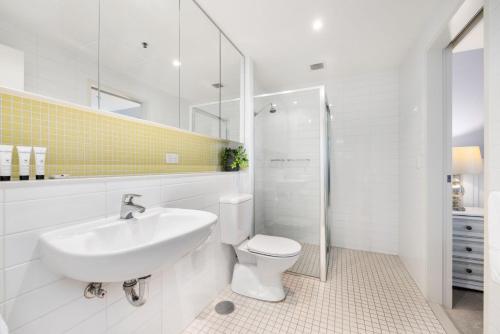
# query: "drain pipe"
(137, 298)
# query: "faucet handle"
(127, 198)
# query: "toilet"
(261, 259)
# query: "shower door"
(291, 173)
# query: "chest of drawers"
(468, 248)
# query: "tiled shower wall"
(365, 161)
(82, 142)
(36, 300)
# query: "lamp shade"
(467, 160)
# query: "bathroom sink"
(115, 250)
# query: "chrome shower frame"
(324, 172)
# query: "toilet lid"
(273, 246)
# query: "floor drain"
(224, 307)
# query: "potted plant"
(234, 158)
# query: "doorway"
(465, 200)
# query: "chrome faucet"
(129, 207)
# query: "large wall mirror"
(164, 61)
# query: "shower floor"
(308, 262)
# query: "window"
(115, 103)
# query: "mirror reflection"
(168, 63)
(136, 54)
(231, 88)
(51, 47)
(200, 72)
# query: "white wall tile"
(22, 247)
(30, 306)
(96, 324)
(2, 252)
(64, 318)
(26, 277)
(2, 225)
(151, 326)
(52, 188)
(365, 162)
(2, 288)
(35, 303)
(25, 215)
(186, 190)
(199, 202)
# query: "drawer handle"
(468, 227)
(468, 249)
(469, 271)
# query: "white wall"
(365, 157)
(11, 68)
(412, 227)
(421, 169)
(492, 145)
(33, 299)
(468, 98)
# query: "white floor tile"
(365, 293)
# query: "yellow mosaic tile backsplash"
(81, 142)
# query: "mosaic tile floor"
(365, 293)
(308, 262)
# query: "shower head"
(272, 109)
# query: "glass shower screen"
(290, 173)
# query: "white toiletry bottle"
(24, 153)
(5, 162)
(40, 154)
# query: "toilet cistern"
(129, 207)
(261, 259)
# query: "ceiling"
(357, 36)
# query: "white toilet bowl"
(261, 263)
(262, 259)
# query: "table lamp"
(466, 160)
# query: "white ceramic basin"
(115, 250)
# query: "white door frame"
(447, 288)
(437, 154)
(447, 164)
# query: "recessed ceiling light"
(317, 25)
(176, 63)
(295, 102)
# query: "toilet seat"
(273, 246)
